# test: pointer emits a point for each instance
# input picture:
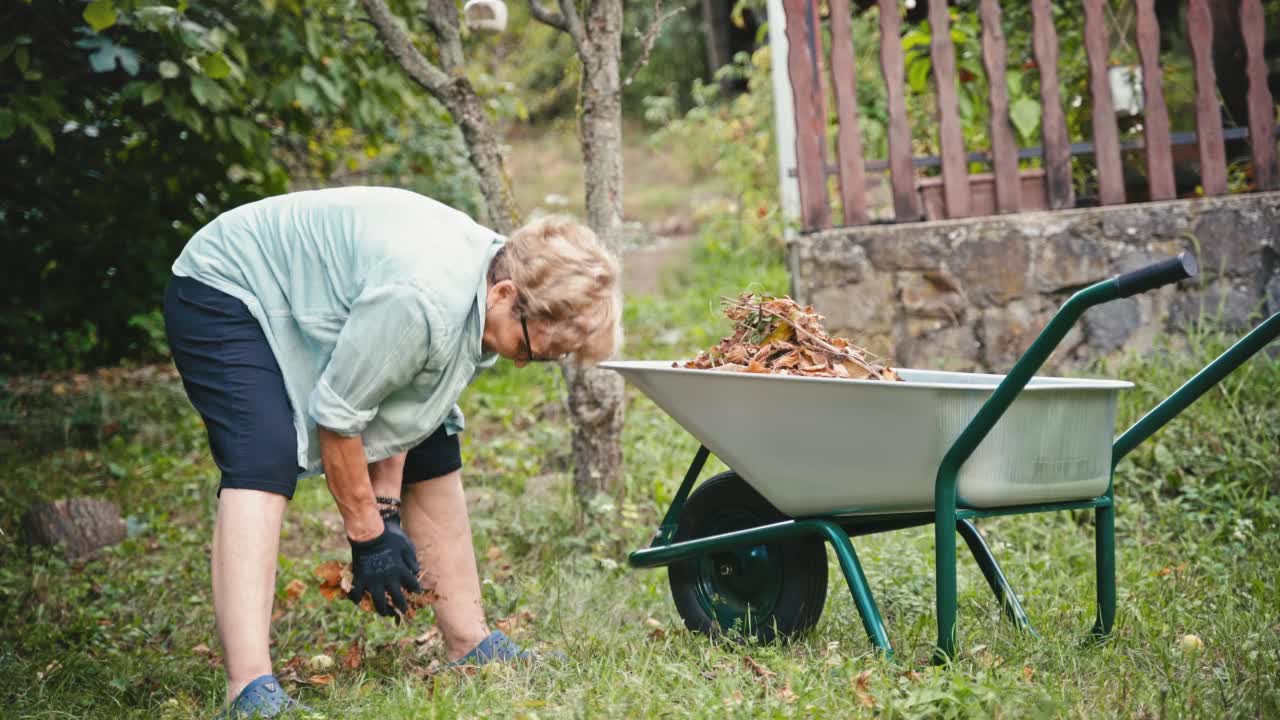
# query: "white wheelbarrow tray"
(826, 446)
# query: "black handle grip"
(1165, 272)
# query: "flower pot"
(982, 194)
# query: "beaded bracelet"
(388, 507)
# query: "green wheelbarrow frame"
(949, 517)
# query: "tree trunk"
(596, 397)
(482, 146)
(80, 525)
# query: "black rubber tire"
(798, 566)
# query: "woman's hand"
(383, 566)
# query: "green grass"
(121, 635)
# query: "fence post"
(784, 119)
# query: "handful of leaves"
(336, 581)
(779, 336)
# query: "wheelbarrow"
(817, 460)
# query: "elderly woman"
(334, 330)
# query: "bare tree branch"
(547, 17)
(573, 21)
(442, 18)
(659, 19)
(415, 64)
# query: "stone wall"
(973, 294)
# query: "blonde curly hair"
(565, 277)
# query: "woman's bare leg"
(435, 517)
(246, 540)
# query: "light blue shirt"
(372, 300)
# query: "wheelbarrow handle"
(1165, 272)
(1200, 383)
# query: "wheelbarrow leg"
(944, 547)
(1000, 587)
(852, 570)
(1105, 552)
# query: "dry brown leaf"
(729, 367)
(855, 371)
(323, 679)
(201, 649)
(1027, 672)
(786, 694)
(330, 573)
(431, 637)
(861, 683)
(511, 623)
(757, 668)
(294, 590)
(354, 656)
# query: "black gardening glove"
(382, 566)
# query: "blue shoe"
(495, 648)
(262, 698)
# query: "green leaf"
(242, 130)
(216, 66)
(1014, 80)
(203, 89)
(100, 14)
(330, 90)
(307, 97)
(918, 75)
(8, 123)
(152, 93)
(169, 69)
(42, 134)
(1025, 114)
(22, 59)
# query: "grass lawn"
(129, 633)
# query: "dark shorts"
(235, 383)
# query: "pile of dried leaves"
(779, 336)
(336, 581)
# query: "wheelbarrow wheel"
(774, 590)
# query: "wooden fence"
(953, 194)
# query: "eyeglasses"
(528, 346)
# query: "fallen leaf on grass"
(512, 623)
(757, 668)
(201, 649)
(290, 671)
(431, 637)
(354, 656)
(320, 663)
(324, 679)
(294, 590)
(786, 694)
(1027, 672)
(860, 684)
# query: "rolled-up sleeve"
(384, 343)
